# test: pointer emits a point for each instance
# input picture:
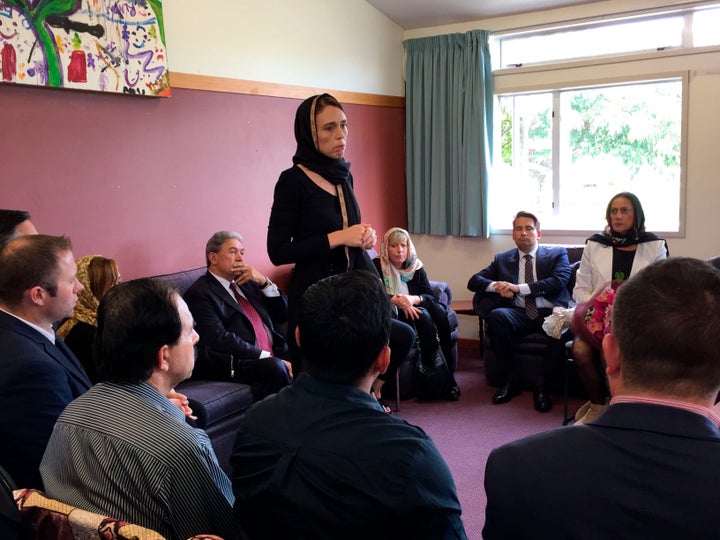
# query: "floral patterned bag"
(592, 320)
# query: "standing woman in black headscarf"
(315, 220)
(610, 257)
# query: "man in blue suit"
(521, 287)
(236, 309)
(39, 375)
(649, 465)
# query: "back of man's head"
(344, 323)
(9, 220)
(135, 319)
(28, 261)
(666, 320)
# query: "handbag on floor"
(433, 379)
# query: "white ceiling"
(410, 14)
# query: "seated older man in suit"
(523, 285)
(649, 465)
(39, 375)
(236, 309)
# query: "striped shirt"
(125, 451)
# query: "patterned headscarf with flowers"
(395, 279)
(87, 305)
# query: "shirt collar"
(224, 282)
(532, 253)
(152, 396)
(43, 331)
(343, 392)
(684, 405)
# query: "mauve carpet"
(467, 430)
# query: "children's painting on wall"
(101, 45)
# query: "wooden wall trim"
(240, 86)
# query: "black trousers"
(507, 324)
(264, 375)
(402, 338)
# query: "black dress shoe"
(542, 400)
(454, 393)
(506, 393)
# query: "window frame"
(595, 72)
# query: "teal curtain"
(449, 122)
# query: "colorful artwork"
(103, 45)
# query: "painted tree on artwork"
(38, 15)
(106, 45)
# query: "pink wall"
(147, 181)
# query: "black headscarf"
(335, 171)
(636, 235)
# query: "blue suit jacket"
(37, 381)
(223, 326)
(552, 271)
(636, 471)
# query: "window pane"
(623, 138)
(610, 139)
(565, 44)
(705, 24)
(522, 176)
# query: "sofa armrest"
(442, 292)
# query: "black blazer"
(636, 471)
(37, 381)
(223, 326)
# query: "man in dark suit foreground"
(649, 466)
(520, 287)
(236, 309)
(321, 459)
(39, 375)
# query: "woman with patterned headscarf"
(315, 221)
(407, 284)
(609, 258)
(96, 274)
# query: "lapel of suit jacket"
(541, 260)
(218, 290)
(60, 352)
(514, 260)
(65, 356)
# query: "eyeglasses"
(624, 211)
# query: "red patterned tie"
(531, 309)
(262, 339)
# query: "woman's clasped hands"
(406, 302)
(361, 235)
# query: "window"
(595, 107)
(564, 153)
(586, 42)
(679, 29)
